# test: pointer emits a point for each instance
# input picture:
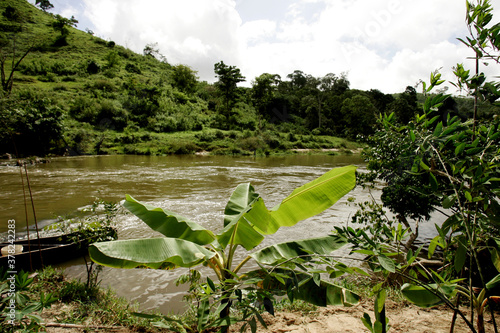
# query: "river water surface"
(196, 187)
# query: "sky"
(379, 44)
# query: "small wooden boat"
(48, 251)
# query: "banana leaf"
(304, 202)
(278, 253)
(241, 199)
(151, 253)
(169, 223)
(426, 298)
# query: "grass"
(78, 304)
(92, 307)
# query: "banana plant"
(246, 223)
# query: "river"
(196, 187)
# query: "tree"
(44, 5)
(228, 79)
(11, 50)
(320, 89)
(264, 90)
(152, 50)
(185, 78)
(439, 161)
(61, 24)
(360, 115)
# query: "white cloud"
(258, 30)
(384, 44)
(197, 33)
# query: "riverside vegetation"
(437, 161)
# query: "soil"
(402, 318)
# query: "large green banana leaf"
(304, 202)
(150, 252)
(168, 223)
(278, 253)
(424, 297)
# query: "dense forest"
(66, 91)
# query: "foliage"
(97, 225)
(61, 25)
(228, 78)
(78, 306)
(44, 4)
(441, 162)
(17, 310)
(33, 124)
(295, 266)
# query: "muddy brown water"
(194, 186)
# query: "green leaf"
(152, 253)
(460, 257)
(460, 148)
(241, 200)
(433, 181)
(380, 301)
(168, 223)
(424, 297)
(387, 263)
(449, 201)
(367, 321)
(424, 166)
(439, 129)
(493, 283)
(211, 284)
(494, 247)
(275, 254)
(412, 136)
(304, 202)
(203, 314)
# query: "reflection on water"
(194, 186)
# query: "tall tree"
(62, 24)
(320, 89)
(405, 106)
(44, 5)
(228, 78)
(263, 91)
(360, 115)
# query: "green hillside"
(74, 93)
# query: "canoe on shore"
(37, 254)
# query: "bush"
(93, 67)
(132, 68)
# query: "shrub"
(93, 67)
(132, 68)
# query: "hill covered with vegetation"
(66, 91)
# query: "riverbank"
(203, 143)
(78, 307)
(80, 310)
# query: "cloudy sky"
(382, 44)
